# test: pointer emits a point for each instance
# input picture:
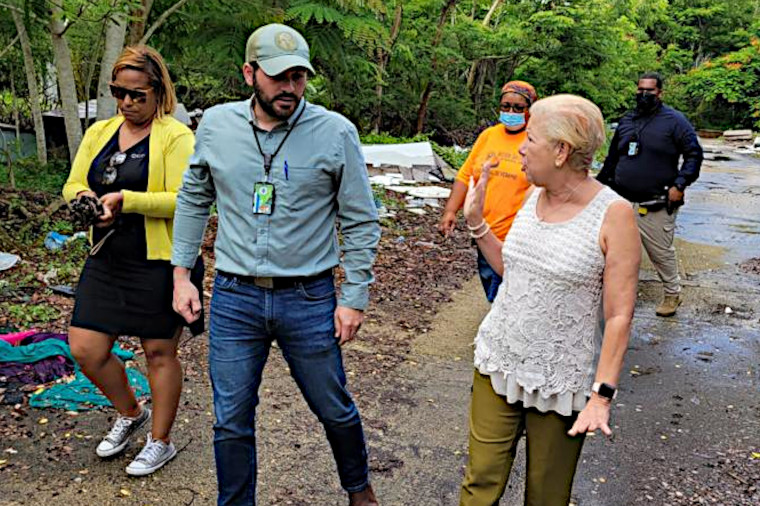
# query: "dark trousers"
(244, 321)
(491, 281)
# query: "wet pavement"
(722, 205)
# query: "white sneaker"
(152, 458)
(118, 438)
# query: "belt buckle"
(262, 282)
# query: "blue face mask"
(512, 120)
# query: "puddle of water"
(721, 207)
(706, 346)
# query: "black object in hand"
(86, 209)
(672, 205)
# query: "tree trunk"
(140, 21)
(31, 81)
(11, 175)
(422, 111)
(66, 82)
(116, 32)
(476, 63)
(384, 57)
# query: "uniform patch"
(286, 41)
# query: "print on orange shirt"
(507, 184)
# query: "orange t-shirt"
(507, 184)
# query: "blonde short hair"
(146, 59)
(573, 120)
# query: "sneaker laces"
(152, 451)
(119, 429)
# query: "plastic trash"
(8, 260)
(55, 241)
(66, 290)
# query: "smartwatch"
(604, 390)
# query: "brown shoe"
(364, 498)
(669, 305)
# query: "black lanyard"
(638, 131)
(268, 158)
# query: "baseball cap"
(277, 48)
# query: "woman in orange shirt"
(507, 184)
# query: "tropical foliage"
(406, 67)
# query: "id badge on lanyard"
(634, 145)
(263, 191)
(263, 198)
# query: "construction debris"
(737, 135)
(414, 161)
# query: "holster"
(660, 202)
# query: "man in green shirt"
(282, 172)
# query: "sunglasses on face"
(518, 108)
(120, 93)
(111, 172)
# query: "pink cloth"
(16, 337)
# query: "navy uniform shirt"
(663, 136)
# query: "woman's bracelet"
(473, 229)
(481, 234)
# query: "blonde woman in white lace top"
(541, 366)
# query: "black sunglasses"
(112, 171)
(120, 93)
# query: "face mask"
(646, 102)
(512, 120)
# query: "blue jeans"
(244, 320)
(488, 277)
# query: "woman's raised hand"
(476, 194)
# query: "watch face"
(606, 391)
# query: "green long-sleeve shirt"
(325, 182)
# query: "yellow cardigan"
(170, 146)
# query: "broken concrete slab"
(737, 135)
(386, 179)
(422, 192)
(415, 161)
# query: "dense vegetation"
(405, 67)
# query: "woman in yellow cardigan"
(133, 163)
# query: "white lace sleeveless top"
(541, 339)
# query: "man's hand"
(675, 195)
(111, 208)
(347, 323)
(186, 300)
(596, 415)
(448, 223)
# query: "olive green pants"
(495, 429)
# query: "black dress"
(120, 291)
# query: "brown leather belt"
(278, 282)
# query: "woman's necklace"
(564, 201)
